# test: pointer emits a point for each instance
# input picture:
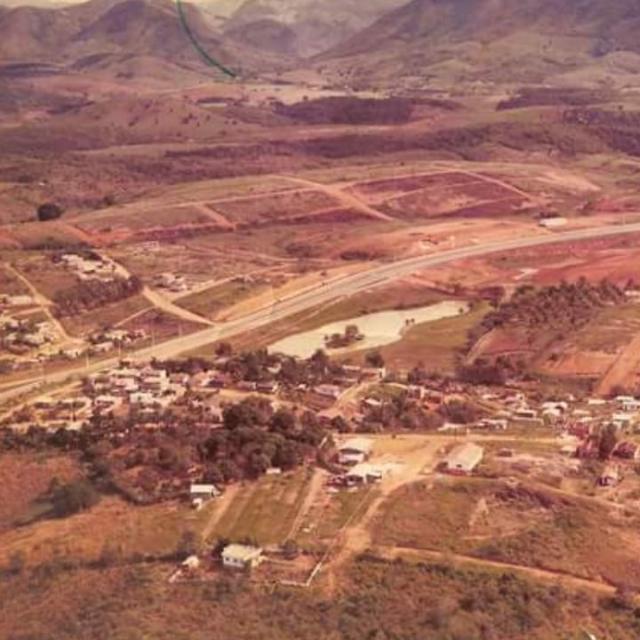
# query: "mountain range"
(116, 34)
(313, 25)
(533, 41)
(379, 43)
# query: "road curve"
(330, 290)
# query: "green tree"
(375, 359)
(608, 442)
(49, 211)
(74, 497)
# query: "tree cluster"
(563, 306)
(93, 294)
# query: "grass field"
(130, 531)
(525, 526)
(105, 317)
(50, 234)
(614, 328)
(265, 511)
(26, 477)
(399, 296)
(48, 278)
(210, 302)
(436, 345)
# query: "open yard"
(265, 511)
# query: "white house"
(203, 491)
(354, 451)
(464, 458)
(364, 473)
(328, 391)
(241, 556)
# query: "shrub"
(49, 211)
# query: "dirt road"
(554, 577)
(160, 302)
(620, 371)
(157, 299)
(45, 306)
(222, 504)
(346, 285)
(356, 537)
(343, 197)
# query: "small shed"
(241, 556)
(191, 563)
(355, 451)
(364, 473)
(464, 458)
(203, 491)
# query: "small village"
(351, 423)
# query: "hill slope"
(113, 32)
(317, 25)
(496, 41)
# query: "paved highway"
(328, 291)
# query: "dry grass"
(26, 477)
(131, 531)
(374, 598)
(210, 302)
(526, 526)
(104, 317)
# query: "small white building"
(364, 473)
(192, 563)
(328, 391)
(355, 451)
(554, 223)
(241, 556)
(464, 458)
(203, 491)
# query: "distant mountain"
(316, 25)
(496, 41)
(114, 32)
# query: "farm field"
(265, 512)
(444, 194)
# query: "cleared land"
(519, 525)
